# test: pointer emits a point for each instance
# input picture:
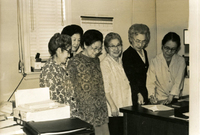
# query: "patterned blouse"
(86, 77)
(55, 77)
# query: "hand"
(153, 99)
(140, 99)
(114, 111)
(168, 100)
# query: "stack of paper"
(9, 127)
(157, 107)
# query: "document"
(157, 107)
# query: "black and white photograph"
(100, 67)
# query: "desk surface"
(161, 115)
(142, 121)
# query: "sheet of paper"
(14, 130)
(157, 107)
(31, 95)
(7, 123)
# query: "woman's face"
(138, 42)
(94, 49)
(64, 55)
(169, 49)
(76, 38)
(114, 48)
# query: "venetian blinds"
(46, 18)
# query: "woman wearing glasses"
(117, 88)
(87, 81)
(53, 73)
(165, 76)
(135, 62)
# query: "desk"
(141, 121)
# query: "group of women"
(97, 89)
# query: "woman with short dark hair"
(76, 33)
(53, 73)
(86, 78)
(165, 77)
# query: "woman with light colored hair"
(135, 62)
(116, 84)
(117, 88)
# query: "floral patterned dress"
(55, 77)
(89, 95)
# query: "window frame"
(24, 24)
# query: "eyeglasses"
(97, 49)
(68, 50)
(169, 49)
(113, 47)
(139, 41)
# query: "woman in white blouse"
(117, 88)
(165, 76)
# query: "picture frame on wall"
(186, 37)
(186, 40)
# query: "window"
(38, 21)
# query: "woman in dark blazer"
(135, 62)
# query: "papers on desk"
(9, 127)
(14, 130)
(6, 107)
(157, 107)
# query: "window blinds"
(46, 19)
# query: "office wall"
(120, 10)
(9, 55)
(144, 12)
(171, 15)
(161, 17)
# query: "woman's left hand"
(168, 100)
(140, 99)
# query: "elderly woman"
(165, 76)
(53, 73)
(135, 62)
(76, 33)
(86, 77)
(117, 88)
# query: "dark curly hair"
(73, 29)
(91, 36)
(59, 40)
(173, 37)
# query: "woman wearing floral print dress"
(53, 73)
(86, 77)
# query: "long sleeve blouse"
(162, 79)
(116, 82)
